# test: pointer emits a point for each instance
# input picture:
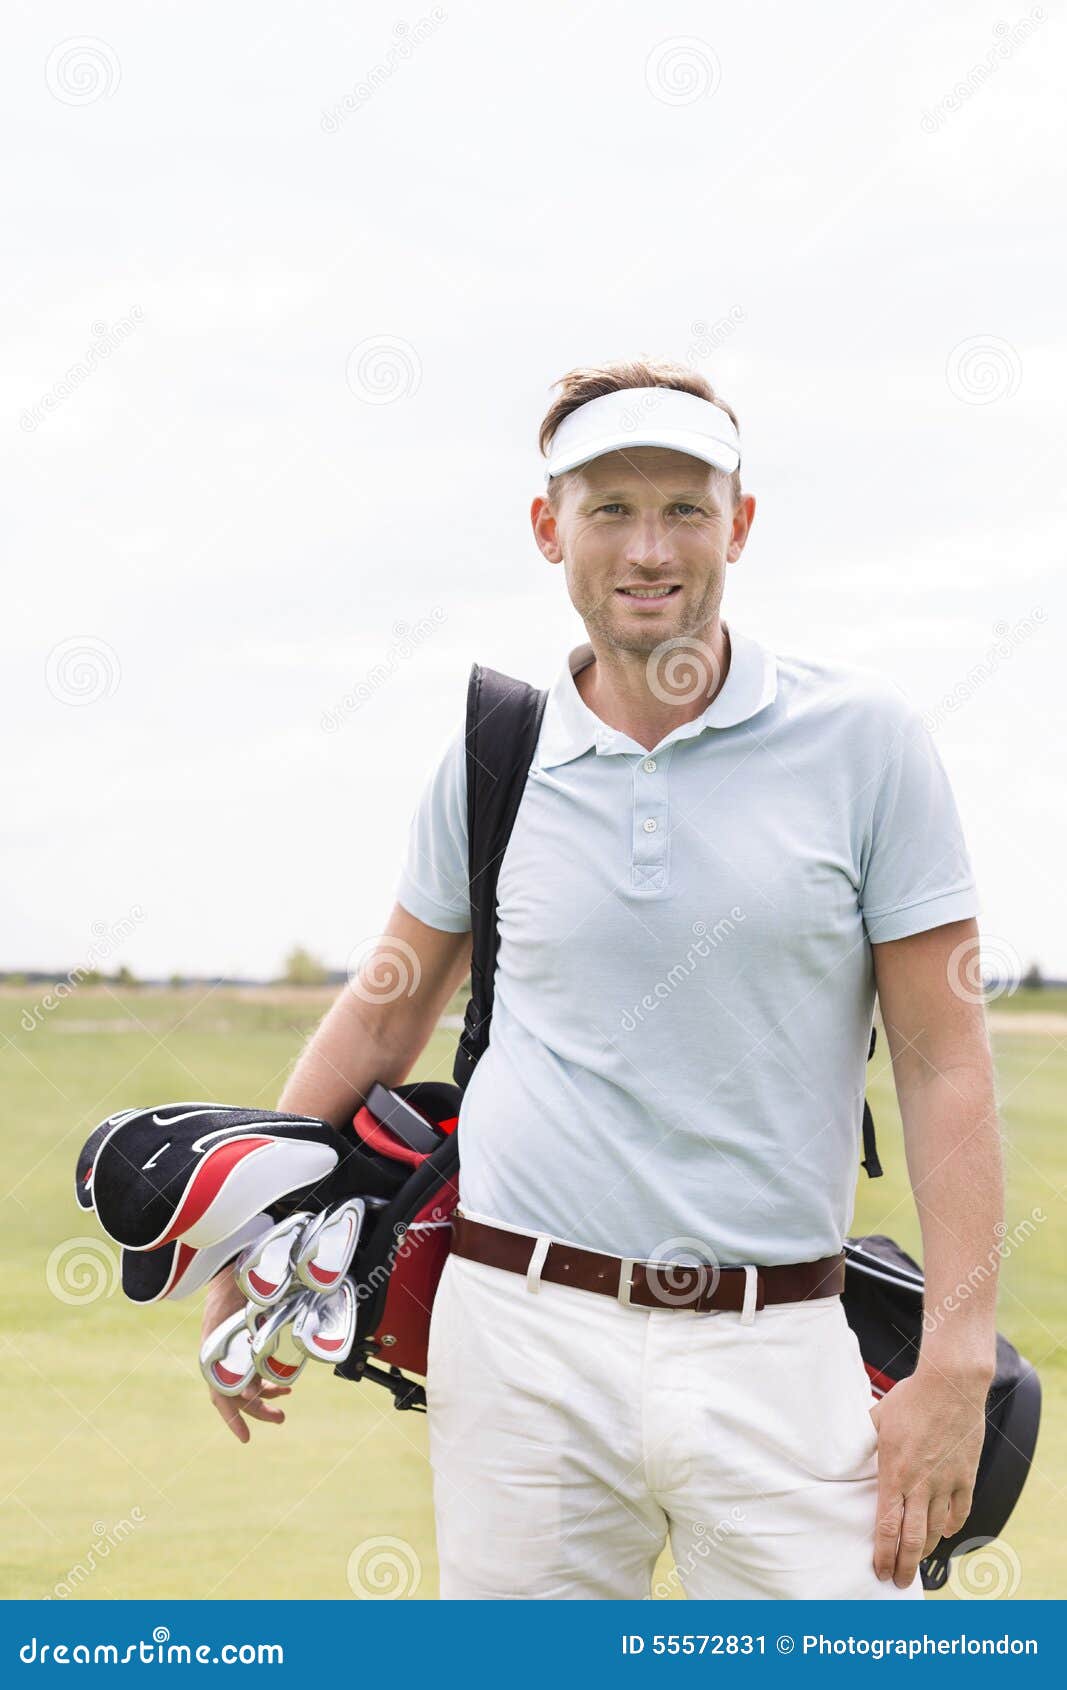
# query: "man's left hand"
(931, 1427)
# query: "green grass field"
(114, 1460)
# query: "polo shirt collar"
(571, 728)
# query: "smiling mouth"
(648, 595)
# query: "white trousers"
(569, 1435)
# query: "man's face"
(642, 520)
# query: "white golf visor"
(645, 416)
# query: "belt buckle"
(626, 1280)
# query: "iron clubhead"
(323, 1256)
(265, 1270)
(226, 1356)
(324, 1327)
(275, 1356)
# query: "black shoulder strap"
(503, 723)
(871, 1165)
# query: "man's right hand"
(223, 1299)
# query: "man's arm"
(931, 1426)
(376, 1029)
(381, 1020)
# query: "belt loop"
(537, 1262)
(748, 1307)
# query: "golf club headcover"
(198, 1172)
(177, 1270)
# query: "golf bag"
(398, 1267)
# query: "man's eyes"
(683, 509)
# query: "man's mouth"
(648, 593)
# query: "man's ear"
(744, 515)
(546, 529)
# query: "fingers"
(887, 1529)
(936, 1523)
(913, 1534)
(231, 1414)
(253, 1402)
(959, 1510)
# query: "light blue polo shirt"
(684, 988)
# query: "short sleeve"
(916, 872)
(433, 883)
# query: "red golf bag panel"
(404, 1246)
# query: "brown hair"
(592, 381)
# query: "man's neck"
(648, 700)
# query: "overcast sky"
(286, 289)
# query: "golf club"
(324, 1327)
(264, 1271)
(226, 1356)
(323, 1255)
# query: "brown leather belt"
(650, 1285)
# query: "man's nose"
(649, 543)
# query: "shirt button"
(649, 765)
(650, 825)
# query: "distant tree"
(13, 979)
(125, 976)
(303, 969)
(1033, 977)
(87, 976)
(177, 980)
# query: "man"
(720, 856)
